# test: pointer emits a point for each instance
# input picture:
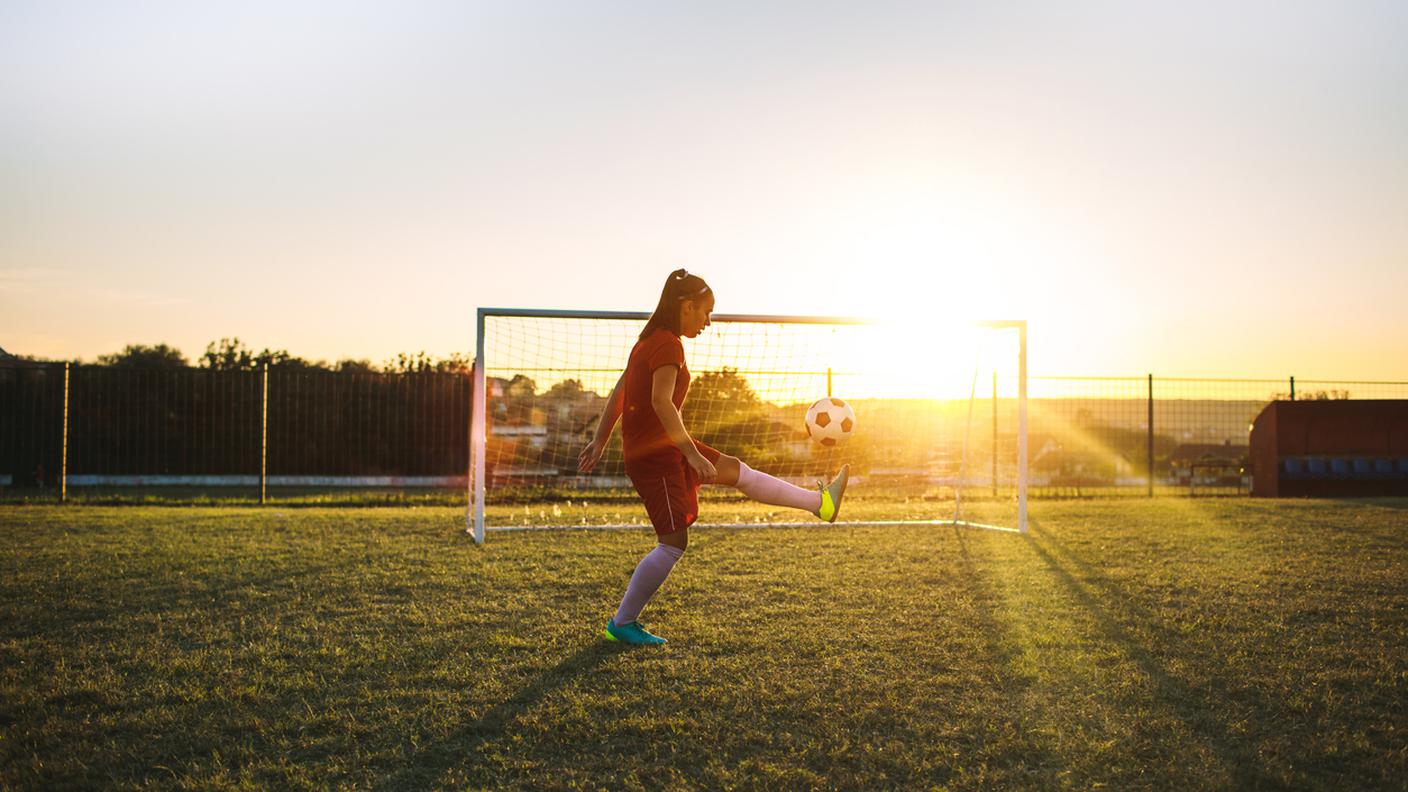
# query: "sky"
(1202, 189)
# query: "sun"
(917, 347)
(929, 357)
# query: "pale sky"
(1189, 189)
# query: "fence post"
(63, 452)
(1293, 388)
(828, 382)
(1149, 442)
(994, 434)
(264, 438)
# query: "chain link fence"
(99, 432)
(230, 435)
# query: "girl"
(664, 463)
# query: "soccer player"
(665, 464)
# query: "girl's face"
(694, 315)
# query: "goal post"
(920, 454)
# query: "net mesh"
(920, 396)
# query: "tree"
(1320, 395)
(351, 366)
(568, 391)
(421, 363)
(456, 363)
(230, 354)
(141, 356)
(409, 364)
(571, 412)
(721, 398)
(519, 394)
(723, 410)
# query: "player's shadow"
(424, 769)
(1197, 709)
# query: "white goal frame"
(475, 522)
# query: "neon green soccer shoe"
(632, 633)
(831, 495)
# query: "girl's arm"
(662, 387)
(610, 414)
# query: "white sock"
(650, 573)
(767, 489)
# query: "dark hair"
(679, 286)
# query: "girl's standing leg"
(650, 574)
(671, 501)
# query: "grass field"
(1171, 644)
(367, 497)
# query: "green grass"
(297, 497)
(1168, 644)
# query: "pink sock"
(650, 573)
(767, 489)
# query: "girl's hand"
(707, 473)
(590, 456)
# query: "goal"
(940, 431)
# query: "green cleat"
(831, 495)
(632, 633)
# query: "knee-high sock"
(775, 491)
(650, 573)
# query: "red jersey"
(646, 446)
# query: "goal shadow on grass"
(1197, 710)
(1006, 661)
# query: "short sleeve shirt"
(646, 445)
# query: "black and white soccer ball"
(830, 422)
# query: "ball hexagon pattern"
(830, 421)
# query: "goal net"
(940, 434)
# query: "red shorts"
(671, 493)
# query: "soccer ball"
(830, 421)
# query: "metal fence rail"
(88, 426)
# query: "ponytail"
(679, 286)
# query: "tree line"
(232, 354)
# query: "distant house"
(1190, 456)
(795, 441)
(535, 435)
(1083, 467)
(1189, 453)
